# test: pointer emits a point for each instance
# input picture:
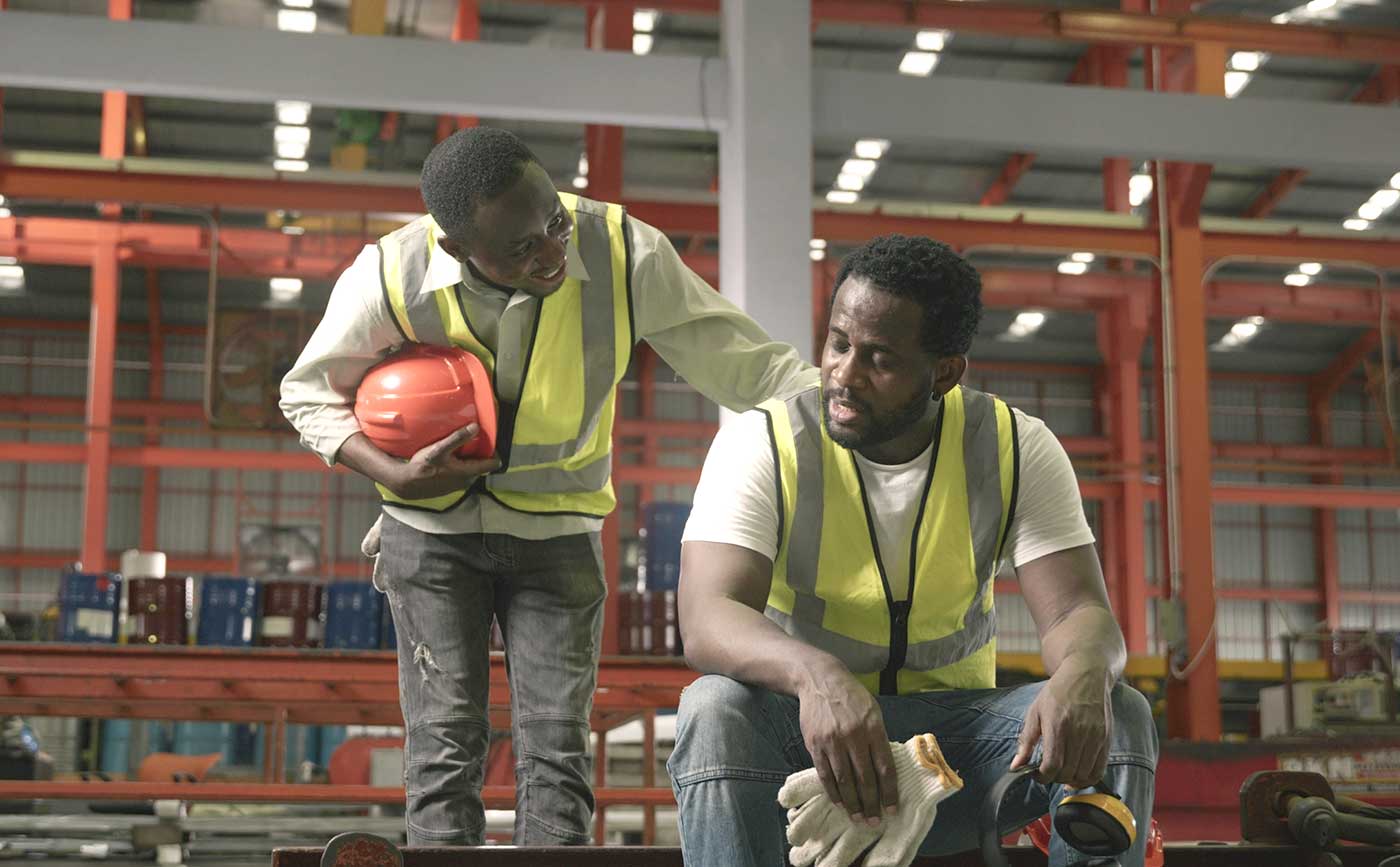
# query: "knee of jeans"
(551, 736)
(1133, 727)
(714, 711)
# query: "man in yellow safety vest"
(837, 588)
(550, 291)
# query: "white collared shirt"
(709, 341)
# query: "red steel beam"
(176, 563)
(674, 217)
(1193, 704)
(228, 192)
(649, 429)
(1278, 189)
(1122, 335)
(1369, 45)
(155, 391)
(1331, 379)
(1374, 91)
(1301, 248)
(102, 354)
(1310, 496)
(494, 797)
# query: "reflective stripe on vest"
(829, 587)
(555, 442)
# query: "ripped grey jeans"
(548, 598)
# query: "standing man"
(837, 587)
(550, 291)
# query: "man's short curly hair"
(468, 168)
(932, 275)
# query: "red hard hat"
(423, 393)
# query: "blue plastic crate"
(660, 566)
(354, 615)
(89, 604)
(228, 611)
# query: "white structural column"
(765, 166)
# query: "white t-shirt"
(736, 500)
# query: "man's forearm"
(766, 657)
(362, 456)
(1088, 634)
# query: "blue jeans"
(736, 744)
(548, 598)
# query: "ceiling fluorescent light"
(1297, 280)
(290, 165)
(1386, 198)
(843, 197)
(644, 20)
(1356, 224)
(580, 182)
(284, 289)
(931, 40)
(642, 43)
(1139, 188)
(816, 255)
(874, 148)
(1244, 330)
(1312, 269)
(296, 20)
(291, 150)
(299, 4)
(850, 181)
(12, 278)
(864, 168)
(1370, 211)
(5, 213)
(1235, 82)
(1031, 318)
(293, 112)
(1086, 258)
(298, 134)
(1072, 267)
(919, 63)
(1394, 182)
(818, 243)
(1246, 61)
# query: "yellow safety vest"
(555, 444)
(829, 585)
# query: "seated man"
(837, 588)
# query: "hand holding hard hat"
(421, 396)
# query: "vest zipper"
(900, 611)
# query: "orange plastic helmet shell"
(422, 393)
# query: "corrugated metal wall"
(199, 509)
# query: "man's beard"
(882, 427)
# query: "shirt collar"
(445, 272)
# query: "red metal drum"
(159, 610)
(291, 614)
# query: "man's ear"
(453, 248)
(948, 372)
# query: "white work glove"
(924, 780)
(820, 832)
(818, 829)
(369, 546)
